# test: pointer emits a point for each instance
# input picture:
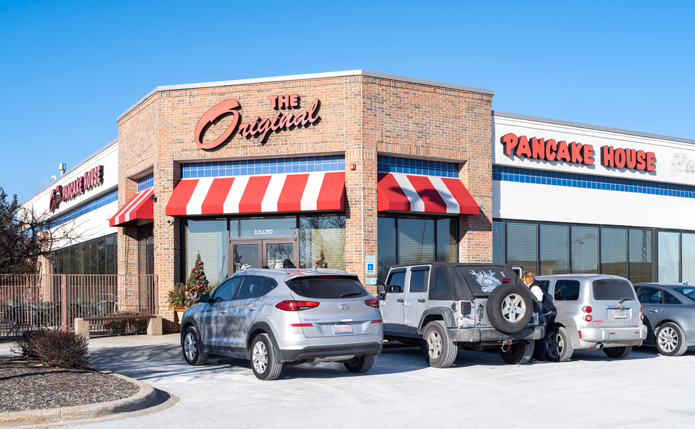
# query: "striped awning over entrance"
(140, 206)
(318, 191)
(425, 194)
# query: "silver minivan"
(594, 311)
(275, 317)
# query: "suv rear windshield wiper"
(345, 295)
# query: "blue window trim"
(574, 180)
(146, 182)
(392, 164)
(91, 206)
(252, 167)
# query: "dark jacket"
(548, 305)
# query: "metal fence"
(53, 301)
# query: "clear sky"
(69, 68)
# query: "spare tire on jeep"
(510, 307)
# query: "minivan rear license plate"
(343, 328)
(619, 314)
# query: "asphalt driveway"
(643, 390)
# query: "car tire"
(192, 347)
(617, 352)
(362, 364)
(264, 358)
(510, 307)
(518, 353)
(670, 340)
(559, 346)
(441, 351)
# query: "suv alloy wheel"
(192, 347)
(264, 359)
(670, 340)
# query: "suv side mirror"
(204, 298)
(381, 289)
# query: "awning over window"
(320, 191)
(426, 194)
(139, 207)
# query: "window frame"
(426, 280)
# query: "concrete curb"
(145, 396)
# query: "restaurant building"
(360, 170)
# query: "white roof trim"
(303, 77)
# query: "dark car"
(669, 311)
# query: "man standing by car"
(540, 291)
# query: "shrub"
(62, 349)
(26, 344)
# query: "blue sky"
(69, 68)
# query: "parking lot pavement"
(643, 390)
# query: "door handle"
(399, 300)
(223, 311)
(653, 311)
(421, 300)
(253, 309)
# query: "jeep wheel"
(617, 352)
(441, 351)
(518, 353)
(559, 345)
(510, 308)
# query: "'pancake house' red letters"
(630, 158)
(548, 150)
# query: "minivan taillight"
(587, 309)
(296, 305)
(372, 302)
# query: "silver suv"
(593, 311)
(272, 317)
(443, 306)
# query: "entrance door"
(259, 253)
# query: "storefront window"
(76, 260)
(669, 256)
(111, 255)
(498, 242)
(555, 249)
(415, 240)
(584, 249)
(640, 255)
(209, 238)
(322, 238)
(447, 231)
(688, 245)
(101, 256)
(92, 257)
(614, 251)
(522, 246)
(386, 247)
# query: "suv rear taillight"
(372, 302)
(296, 305)
(587, 309)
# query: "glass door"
(245, 254)
(277, 252)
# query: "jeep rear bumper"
(477, 335)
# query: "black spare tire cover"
(510, 307)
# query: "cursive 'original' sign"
(259, 128)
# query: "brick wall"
(361, 116)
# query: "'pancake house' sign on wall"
(257, 127)
(577, 153)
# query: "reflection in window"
(322, 238)
(386, 246)
(522, 245)
(688, 245)
(669, 256)
(640, 255)
(498, 242)
(614, 251)
(447, 231)
(584, 249)
(415, 240)
(263, 227)
(209, 238)
(554, 249)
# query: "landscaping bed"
(27, 384)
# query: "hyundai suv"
(443, 306)
(274, 317)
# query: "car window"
(441, 287)
(670, 299)
(327, 287)
(225, 291)
(613, 290)
(566, 290)
(252, 287)
(688, 291)
(268, 285)
(484, 279)
(649, 295)
(396, 282)
(419, 279)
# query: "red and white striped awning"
(139, 207)
(426, 194)
(319, 191)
